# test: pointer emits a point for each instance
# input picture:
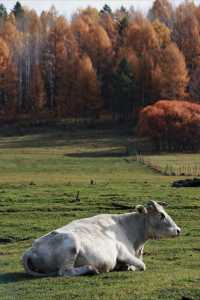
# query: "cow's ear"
(152, 206)
(141, 209)
(164, 204)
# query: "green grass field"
(40, 176)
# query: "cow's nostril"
(178, 231)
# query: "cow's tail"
(30, 269)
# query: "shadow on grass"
(103, 153)
(14, 277)
(51, 138)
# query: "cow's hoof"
(132, 268)
(92, 271)
(142, 268)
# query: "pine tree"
(18, 10)
(106, 10)
(3, 14)
(19, 13)
(123, 91)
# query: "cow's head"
(159, 223)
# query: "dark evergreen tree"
(3, 14)
(124, 10)
(123, 92)
(3, 11)
(106, 10)
(123, 24)
(18, 10)
(19, 14)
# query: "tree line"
(99, 62)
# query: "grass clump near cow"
(28, 211)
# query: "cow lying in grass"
(99, 244)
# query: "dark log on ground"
(195, 182)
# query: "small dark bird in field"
(77, 199)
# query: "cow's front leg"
(84, 270)
(140, 253)
(130, 260)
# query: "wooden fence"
(185, 169)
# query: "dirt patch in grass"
(5, 240)
(196, 249)
(12, 239)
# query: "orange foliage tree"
(162, 10)
(92, 39)
(186, 33)
(8, 81)
(63, 62)
(4, 55)
(173, 78)
(88, 101)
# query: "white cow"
(98, 244)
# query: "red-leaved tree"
(171, 125)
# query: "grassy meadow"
(40, 175)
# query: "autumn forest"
(99, 63)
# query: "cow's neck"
(135, 226)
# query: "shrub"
(172, 125)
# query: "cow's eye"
(162, 216)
